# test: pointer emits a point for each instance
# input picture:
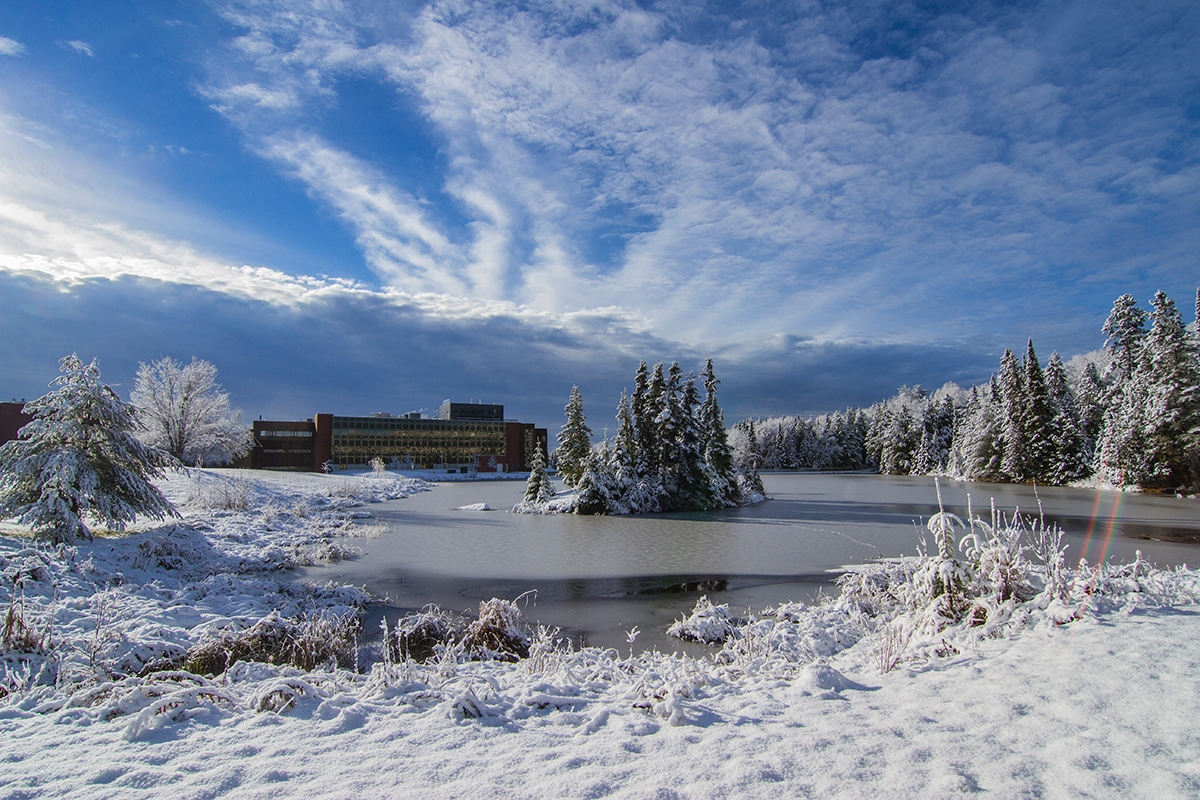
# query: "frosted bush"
(500, 632)
(306, 642)
(707, 623)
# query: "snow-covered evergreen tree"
(669, 426)
(182, 410)
(1089, 397)
(574, 441)
(1121, 455)
(79, 460)
(717, 453)
(1171, 364)
(749, 480)
(538, 488)
(595, 487)
(1013, 401)
(1036, 419)
(1070, 455)
(1125, 329)
(696, 477)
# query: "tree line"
(671, 451)
(1130, 417)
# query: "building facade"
(466, 437)
(12, 419)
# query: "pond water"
(597, 577)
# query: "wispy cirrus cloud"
(79, 46)
(808, 168)
(11, 47)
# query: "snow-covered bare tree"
(182, 410)
(78, 460)
(574, 441)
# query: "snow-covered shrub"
(707, 623)
(418, 636)
(378, 465)
(501, 632)
(18, 633)
(307, 642)
(220, 493)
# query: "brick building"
(12, 419)
(465, 437)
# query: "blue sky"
(362, 206)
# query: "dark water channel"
(597, 577)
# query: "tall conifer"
(575, 441)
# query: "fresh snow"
(1091, 695)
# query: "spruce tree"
(575, 441)
(1172, 413)
(749, 480)
(1013, 402)
(669, 425)
(1070, 456)
(1121, 456)
(649, 447)
(79, 459)
(696, 478)
(716, 440)
(1036, 420)
(595, 495)
(1125, 329)
(538, 488)
(1089, 397)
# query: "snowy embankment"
(924, 677)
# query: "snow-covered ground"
(1090, 692)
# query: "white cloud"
(11, 47)
(79, 46)
(831, 172)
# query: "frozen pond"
(596, 577)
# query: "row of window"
(285, 433)
(347, 425)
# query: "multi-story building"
(12, 419)
(465, 437)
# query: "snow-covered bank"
(1104, 707)
(1079, 685)
(120, 604)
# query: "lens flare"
(1109, 525)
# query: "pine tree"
(78, 459)
(696, 478)
(639, 413)
(574, 440)
(1036, 419)
(1089, 397)
(900, 443)
(1071, 456)
(538, 488)
(1013, 402)
(749, 481)
(1125, 329)
(1172, 413)
(649, 447)
(595, 485)
(1121, 456)
(669, 425)
(717, 452)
